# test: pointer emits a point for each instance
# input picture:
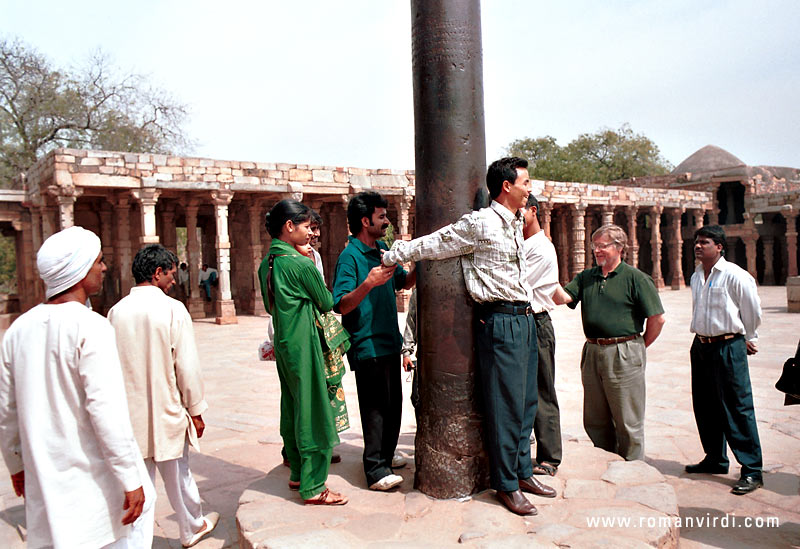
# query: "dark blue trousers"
(722, 399)
(507, 365)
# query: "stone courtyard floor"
(239, 469)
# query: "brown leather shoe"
(533, 486)
(517, 503)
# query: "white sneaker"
(398, 461)
(387, 483)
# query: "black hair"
(501, 170)
(715, 233)
(283, 211)
(363, 205)
(150, 258)
(533, 203)
(316, 219)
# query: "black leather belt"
(507, 307)
(611, 340)
(715, 339)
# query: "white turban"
(66, 257)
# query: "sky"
(330, 83)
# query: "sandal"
(326, 497)
(544, 468)
(294, 485)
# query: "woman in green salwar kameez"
(294, 294)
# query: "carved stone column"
(750, 246)
(404, 210)
(698, 218)
(147, 199)
(633, 244)
(545, 214)
(195, 302)
(122, 245)
(169, 232)
(587, 241)
(655, 244)
(225, 309)
(49, 222)
(36, 230)
(65, 198)
(106, 215)
(562, 247)
(676, 251)
(255, 216)
(578, 213)
(608, 215)
(769, 245)
(791, 242)
(713, 216)
(27, 278)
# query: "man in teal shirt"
(364, 293)
(616, 300)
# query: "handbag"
(789, 381)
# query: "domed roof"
(708, 159)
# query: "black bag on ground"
(789, 381)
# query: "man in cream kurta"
(64, 429)
(162, 379)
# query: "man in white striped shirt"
(726, 312)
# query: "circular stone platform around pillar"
(632, 503)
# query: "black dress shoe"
(516, 503)
(533, 486)
(708, 468)
(745, 485)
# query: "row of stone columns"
(46, 220)
(574, 239)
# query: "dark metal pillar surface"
(450, 175)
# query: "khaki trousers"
(614, 396)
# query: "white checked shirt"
(542, 277)
(490, 244)
(726, 303)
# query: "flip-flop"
(326, 497)
(294, 485)
(544, 469)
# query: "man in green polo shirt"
(617, 300)
(364, 293)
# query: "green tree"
(388, 238)
(600, 157)
(42, 108)
(8, 265)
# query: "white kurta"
(161, 367)
(64, 419)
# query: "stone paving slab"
(240, 460)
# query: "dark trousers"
(380, 401)
(547, 425)
(507, 364)
(723, 404)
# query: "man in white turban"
(63, 413)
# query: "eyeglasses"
(602, 246)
